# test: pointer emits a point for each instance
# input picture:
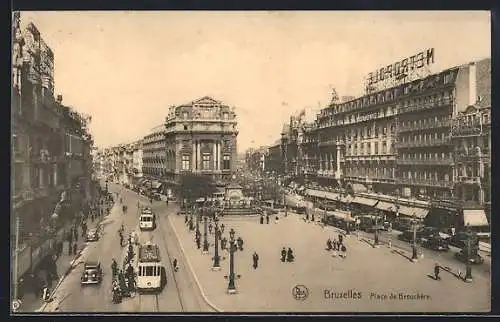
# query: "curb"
(192, 270)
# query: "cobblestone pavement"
(362, 282)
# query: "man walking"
(255, 258)
(436, 271)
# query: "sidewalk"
(370, 271)
(30, 303)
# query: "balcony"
(422, 144)
(432, 161)
(425, 106)
(470, 130)
(469, 180)
(427, 183)
(426, 126)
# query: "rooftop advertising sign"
(401, 69)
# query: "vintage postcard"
(260, 161)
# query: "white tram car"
(147, 220)
(151, 275)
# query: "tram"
(147, 220)
(151, 274)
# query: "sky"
(127, 68)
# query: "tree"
(194, 186)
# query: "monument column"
(198, 155)
(219, 152)
(193, 157)
(214, 154)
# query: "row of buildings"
(51, 166)
(426, 139)
(198, 137)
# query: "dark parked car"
(92, 273)
(475, 257)
(93, 235)
(460, 240)
(435, 242)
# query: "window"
(149, 271)
(206, 161)
(376, 147)
(185, 115)
(185, 162)
(226, 165)
(384, 147)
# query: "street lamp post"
(16, 261)
(468, 267)
(205, 241)
(216, 266)
(376, 241)
(197, 222)
(231, 287)
(414, 256)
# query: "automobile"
(435, 242)
(475, 258)
(156, 196)
(459, 240)
(92, 273)
(93, 235)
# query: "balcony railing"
(469, 180)
(419, 144)
(477, 129)
(331, 143)
(428, 183)
(425, 106)
(429, 125)
(432, 161)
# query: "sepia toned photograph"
(250, 161)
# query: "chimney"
(59, 99)
(472, 84)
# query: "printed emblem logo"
(300, 292)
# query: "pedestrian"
(222, 228)
(283, 254)
(198, 243)
(341, 238)
(289, 255)
(255, 258)
(343, 249)
(261, 220)
(276, 219)
(210, 228)
(312, 217)
(436, 271)
(74, 248)
(70, 248)
(267, 219)
(186, 220)
(329, 244)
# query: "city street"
(181, 293)
(374, 272)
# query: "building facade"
(51, 167)
(154, 159)
(200, 137)
(137, 159)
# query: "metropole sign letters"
(401, 68)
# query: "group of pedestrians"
(337, 245)
(276, 219)
(287, 255)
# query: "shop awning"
(358, 187)
(365, 201)
(387, 206)
(156, 184)
(347, 199)
(413, 211)
(475, 218)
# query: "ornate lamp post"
(376, 241)
(216, 266)
(205, 241)
(468, 267)
(198, 217)
(231, 287)
(414, 256)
